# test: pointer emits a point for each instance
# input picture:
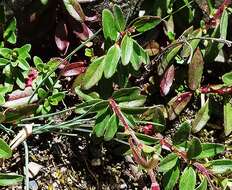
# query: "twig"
(26, 165)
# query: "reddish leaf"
(19, 98)
(167, 80)
(61, 36)
(83, 32)
(73, 69)
(33, 73)
(177, 104)
(195, 70)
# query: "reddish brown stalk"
(213, 21)
(135, 144)
(213, 89)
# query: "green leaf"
(210, 150)
(139, 56)
(6, 52)
(145, 23)
(127, 49)
(120, 21)
(4, 62)
(23, 52)
(10, 179)
(170, 178)
(42, 93)
(129, 97)
(37, 61)
(108, 22)
(220, 166)
(193, 43)
(111, 127)
(74, 9)
(5, 151)
(195, 148)
(23, 64)
(182, 134)
(224, 24)
(201, 118)
(56, 98)
(9, 33)
(2, 99)
(3, 90)
(101, 122)
(227, 78)
(188, 179)
(168, 57)
(168, 162)
(111, 61)
(227, 116)
(93, 73)
(203, 185)
(195, 70)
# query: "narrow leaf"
(227, 117)
(10, 179)
(120, 22)
(100, 123)
(201, 118)
(5, 151)
(146, 23)
(203, 185)
(111, 128)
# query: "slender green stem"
(210, 6)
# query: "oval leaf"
(195, 70)
(227, 117)
(188, 179)
(111, 61)
(170, 178)
(93, 73)
(109, 29)
(182, 133)
(127, 49)
(194, 148)
(210, 150)
(168, 162)
(167, 80)
(111, 128)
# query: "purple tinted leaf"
(167, 80)
(195, 70)
(83, 32)
(61, 36)
(73, 69)
(177, 104)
